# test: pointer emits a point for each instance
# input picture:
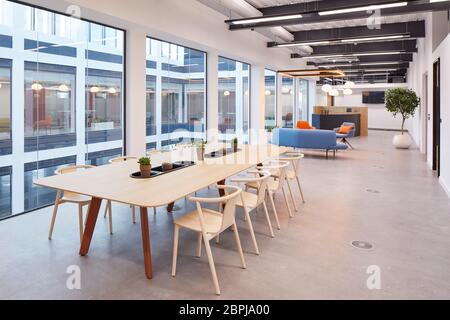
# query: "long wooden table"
(113, 182)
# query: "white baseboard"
(444, 186)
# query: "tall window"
(67, 105)
(234, 99)
(176, 93)
(287, 102)
(5, 107)
(271, 98)
(302, 100)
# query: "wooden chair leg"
(55, 212)
(292, 195)
(134, 214)
(110, 217)
(106, 209)
(250, 225)
(287, 202)
(211, 265)
(269, 223)
(238, 243)
(80, 221)
(274, 212)
(300, 188)
(199, 245)
(175, 250)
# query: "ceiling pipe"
(246, 10)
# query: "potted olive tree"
(145, 167)
(404, 102)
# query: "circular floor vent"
(362, 245)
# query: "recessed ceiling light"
(364, 8)
(266, 19)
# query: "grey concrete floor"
(407, 222)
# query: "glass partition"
(287, 102)
(234, 99)
(271, 99)
(176, 94)
(67, 105)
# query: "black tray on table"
(157, 171)
(221, 153)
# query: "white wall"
(379, 117)
(423, 64)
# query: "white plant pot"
(402, 141)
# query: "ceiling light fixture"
(112, 90)
(37, 86)
(266, 19)
(348, 91)
(63, 88)
(94, 89)
(364, 8)
(299, 44)
(327, 88)
(334, 92)
(376, 38)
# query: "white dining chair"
(275, 184)
(209, 224)
(293, 173)
(70, 197)
(250, 201)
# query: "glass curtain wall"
(287, 102)
(70, 108)
(176, 94)
(271, 99)
(302, 112)
(234, 99)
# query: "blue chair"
(308, 139)
(344, 137)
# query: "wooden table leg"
(146, 243)
(91, 220)
(170, 207)
(221, 191)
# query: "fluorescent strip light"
(377, 63)
(375, 38)
(365, 8)
(376, 53)
(267, 19)
(433, 1)
(298, 44)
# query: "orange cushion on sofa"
(345, 129)
(304, 125)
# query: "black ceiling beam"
(416, 29)
(318, 6)
(403, 57)
(402, 45)
(358, 66)
(313, 17)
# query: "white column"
(136, 92)
(212, 99)
(257, 104)
(17, 114)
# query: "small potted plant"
(234, 144)
(404, 102)
(145, 167)
(200, 148)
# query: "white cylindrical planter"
(402, 141)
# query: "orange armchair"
(304, 125)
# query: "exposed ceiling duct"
(244, 10)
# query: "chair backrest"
(302, 124)
(280, 167)
(71, 169)
(121, 159)
(229, 210)
(294, 159)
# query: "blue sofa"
(308, 139)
